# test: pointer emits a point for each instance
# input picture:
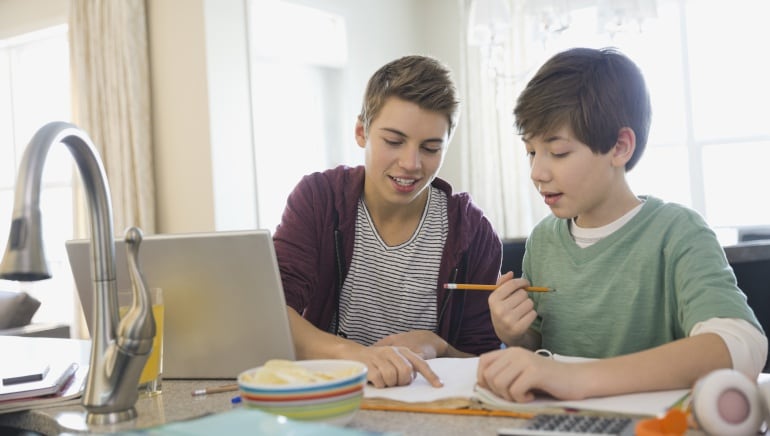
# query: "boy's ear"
(360, 133)
(624, 147)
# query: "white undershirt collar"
(585, 237)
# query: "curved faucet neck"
(106, 394)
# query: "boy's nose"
(538, 170)
(409, 158)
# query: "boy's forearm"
(676, 365)
(454, 352)
(313, 343)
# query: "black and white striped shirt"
(393, 289)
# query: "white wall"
(181, 123)
(232, 151)
(443, 39)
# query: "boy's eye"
(560, 155)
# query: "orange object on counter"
(673, 423)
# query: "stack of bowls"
(332, 401)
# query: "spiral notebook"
(224, 305)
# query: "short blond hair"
(418, 79)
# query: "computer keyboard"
(571, 425)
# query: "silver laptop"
(224, 305)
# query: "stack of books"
(28, 384)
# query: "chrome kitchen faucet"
(119, 350)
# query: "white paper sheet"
(458, 375)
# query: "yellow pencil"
(477, 287)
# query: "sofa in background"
(16, 312)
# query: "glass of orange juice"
(150, 379)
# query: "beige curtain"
(497, 164)
(111, 102)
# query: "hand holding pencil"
(512, 311)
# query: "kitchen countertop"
(176, 403)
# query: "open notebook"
(224, 305)
(460, 391)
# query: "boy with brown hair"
(642, 285)
(364, 252)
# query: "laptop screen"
(224, 305)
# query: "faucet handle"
(137, 328)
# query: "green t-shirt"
(644, 285)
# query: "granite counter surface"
(176, 403)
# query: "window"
(704, 62)
(295, 87)
(34, 90)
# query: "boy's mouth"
(404, 184)
(403, 181)
(551, 197)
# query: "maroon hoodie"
(314, 245)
